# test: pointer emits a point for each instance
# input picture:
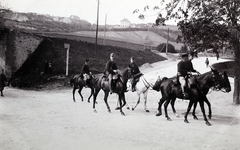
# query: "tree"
(207, 24)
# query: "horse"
(144, 83)
(119, 84)
(198, 89)
(77, 82)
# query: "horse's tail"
(72, 81)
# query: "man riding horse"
(86, 74)
(135, 72)
(111, 69)
(185, 68)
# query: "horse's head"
(126, 74)
(221, 80)
(224, 82)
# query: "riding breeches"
(182, 81)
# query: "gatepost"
(67, 46)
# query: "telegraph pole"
(167, 42)
(104, 41)
(97, 27)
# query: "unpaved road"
(49, 120)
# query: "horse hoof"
(186, 121)
(88, 101)
(195, 117)
(132, 109)
(208, 123)
(117, 108)
(147, 111)
(159, 114)
(209, 116)
(128, 108)
(169, 119)
(109, 111)
(95, 110)
(122, 113)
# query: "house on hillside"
(125, 23)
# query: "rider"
(111, 69)
(185, 67)
(86, 74)
(135, 72)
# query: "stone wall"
(15, 47)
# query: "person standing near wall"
(3, 79)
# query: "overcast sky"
(116, 10)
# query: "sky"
(113, 11)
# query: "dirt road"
(47, 120)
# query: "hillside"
(31, 75)
(126, 39)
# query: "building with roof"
(125, 23)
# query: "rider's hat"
(87, 60)
(184, 55)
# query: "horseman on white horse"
(135, 72)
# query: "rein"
(147, 84)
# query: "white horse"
(145, 83)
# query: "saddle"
(190, 82)
(115, 78)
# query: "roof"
(125, 20)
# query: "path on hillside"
(46, 120)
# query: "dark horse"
(77, 82)
(101, 82)
(198, 89)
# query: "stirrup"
(185, 94)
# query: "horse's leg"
(188, 110)
(145, 100)
(79, 91)
(120, 98)
(194, 109)
(94, 98)
(160, 106)
(105, 100)
(92, 90)
(138, 101)
(124, 100)
(201, 102)
(2, 93)
(165, 109)
(74, 89)
(209, 107)
(173, 108)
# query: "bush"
(162, 48)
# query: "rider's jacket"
(110, 66)
(184, 67)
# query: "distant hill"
(36, 22)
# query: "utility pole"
(167, 42)
(104, 41)
(97, 27)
